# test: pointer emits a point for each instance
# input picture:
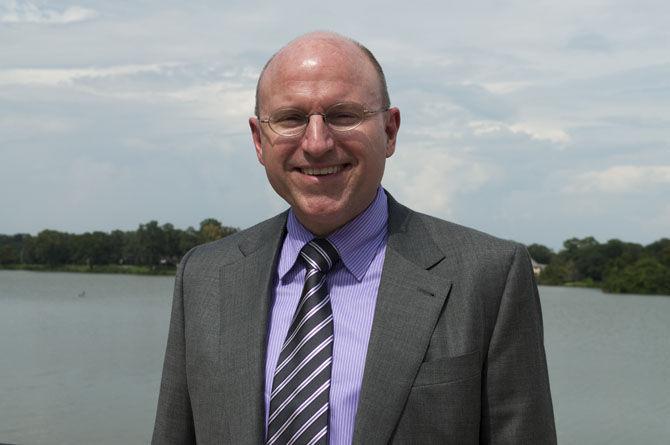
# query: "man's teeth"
(322, 171)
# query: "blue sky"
(531, 120)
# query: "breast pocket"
(448, 369)
(444, 403)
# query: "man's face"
(327, 177)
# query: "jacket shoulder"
(450, 236)
(454, 240)
(235, 246)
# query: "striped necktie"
(301, 384)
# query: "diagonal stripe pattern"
(301, 383)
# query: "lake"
(82, 357)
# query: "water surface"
(82, 357)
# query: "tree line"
(615, 266)
(151, 245)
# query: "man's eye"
(343, 118)
(289, 119)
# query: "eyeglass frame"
(366, 113)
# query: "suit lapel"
(409, 302)
(246, 289)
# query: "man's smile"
(321, 171)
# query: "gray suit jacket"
(456, 353)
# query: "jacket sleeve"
(516, 400)
(174, 418)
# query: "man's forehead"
(313, 60)
(317, 52)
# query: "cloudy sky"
(531, 120)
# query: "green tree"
(17, 249)
(92, 248)
(591, 260)
(646, 276)
(27, 251)
(188, 239)
(541, 254)
(8, 254)
(117, 247)
(212, 230)
(172, 238)
(629, 253)
(573, 245)
(560, 271)
(150, 243)
(660, 250)
(590, 263)
(52, 248)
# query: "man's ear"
(392, 126)
(255, 126)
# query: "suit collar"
(257, 237)
(246, 289)
(409, 237)
(409, 302)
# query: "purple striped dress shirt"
(353, 285)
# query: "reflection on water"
(609, 365)
(82, 357)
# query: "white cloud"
(486, 127)
(29, 12)
(505, 87)
(620, 179)
(55, 77)
(489, 96)
(218, 100)
(226, 99)
(430, 179)
(541, 131)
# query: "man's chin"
(323, 216)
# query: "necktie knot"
(320, 254)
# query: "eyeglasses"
(340, 117)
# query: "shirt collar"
(356, 242)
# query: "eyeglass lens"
(341, 117)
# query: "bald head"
(298, 50)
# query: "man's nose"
(317, 139)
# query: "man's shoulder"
(238, 244)
(447, 235)
(465, 250)
(450, 234)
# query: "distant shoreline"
(153, 249)
(171, 270)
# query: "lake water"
(82, 357)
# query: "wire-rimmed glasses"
(340, 117)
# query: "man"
(420, 330)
